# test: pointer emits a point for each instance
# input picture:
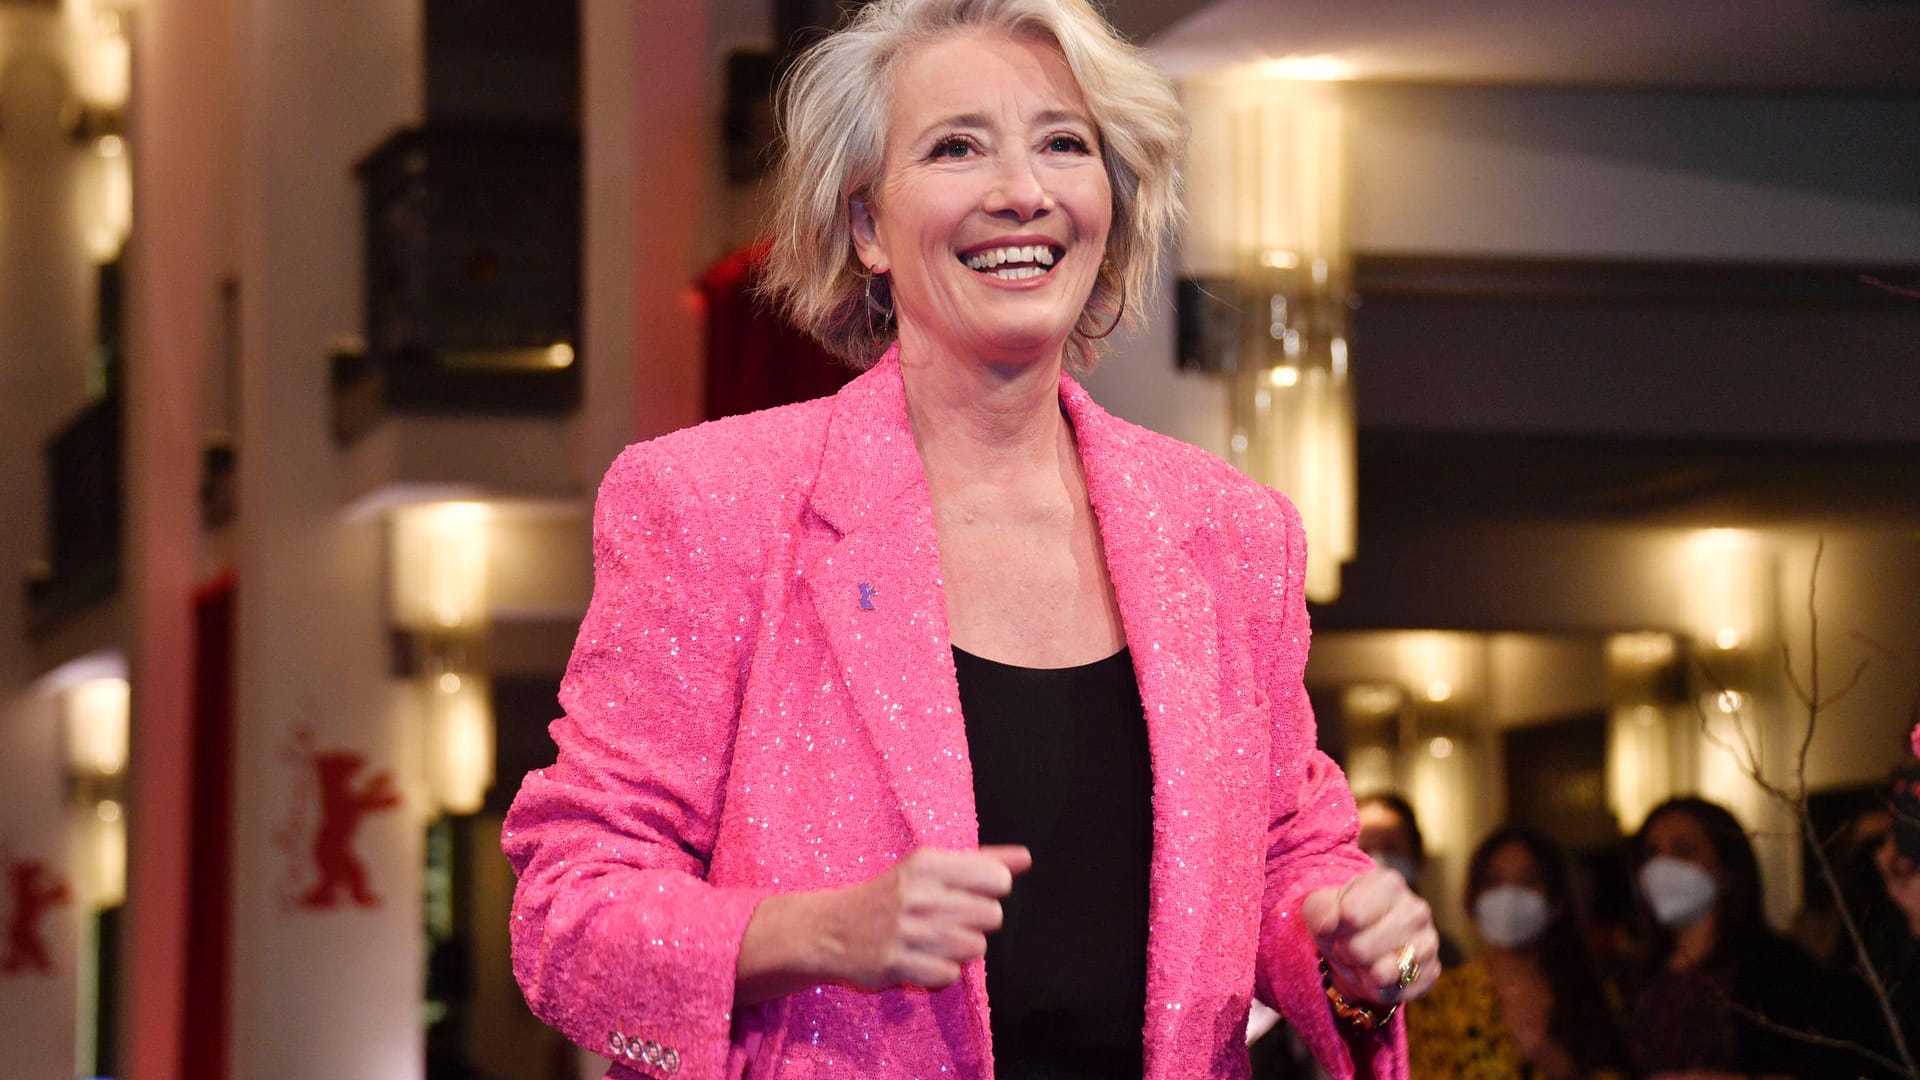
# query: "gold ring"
(1409, 967)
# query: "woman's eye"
(952, 148)
(1067, 144)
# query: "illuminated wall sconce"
(1266, 295)
(460, 740)
(100, 58)
(1369, 702)
(1729, 593)
(1726, 581)
(1646, 668)
(97, 720)
(1646, 681)
(1440, 665)
(438, 599)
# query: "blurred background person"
(1532, 1005)
(1390, 835)
(1884, 886)
(1720, 993)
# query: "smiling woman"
(855, 667)
(844, 120)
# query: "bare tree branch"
(1852, 681)
(1813, 666)
(1760, 1019)
(1795, 800)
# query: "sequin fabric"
(762, 699)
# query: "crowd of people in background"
(1697, 985)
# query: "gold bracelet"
(1359, 1017)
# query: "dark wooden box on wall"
(473, 265)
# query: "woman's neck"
(982, 421)
(1693, 944)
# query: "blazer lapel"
(876, 591)
(1167, 610)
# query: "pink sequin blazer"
(762, 699)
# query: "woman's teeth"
(1013, 263)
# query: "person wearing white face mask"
(1712, 966)
(1390, 835)
(1531, 1006)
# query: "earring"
(1117, 316)
(873, 307)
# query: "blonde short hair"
(833, 109)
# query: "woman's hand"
(915, 924)
(1362, 928)
(918, 922)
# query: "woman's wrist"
(1355, 1013)
(788, 946)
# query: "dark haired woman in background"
(1532, 1005)
(1713, 968)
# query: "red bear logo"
(323, 873)
(342, 806)
(35, 891)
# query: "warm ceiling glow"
(1439, 690)
(1440, 747)
(1320, 68)
(1285, 376)
(560, 355)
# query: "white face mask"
(1398, 862)
(1511, 916)
(1679, 892)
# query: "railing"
(472, 277)
(84, 513)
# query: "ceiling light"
(1321, 68)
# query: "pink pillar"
(183, 127)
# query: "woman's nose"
(1019, 191)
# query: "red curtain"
(204, 1054)
(755, 358)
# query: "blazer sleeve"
(1312, 833)
(618, 940)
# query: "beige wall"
(334, 993)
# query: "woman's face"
(1678, 835)
(1512, 864)
(993, 206)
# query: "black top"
(1060, 764)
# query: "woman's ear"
(866, 234)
